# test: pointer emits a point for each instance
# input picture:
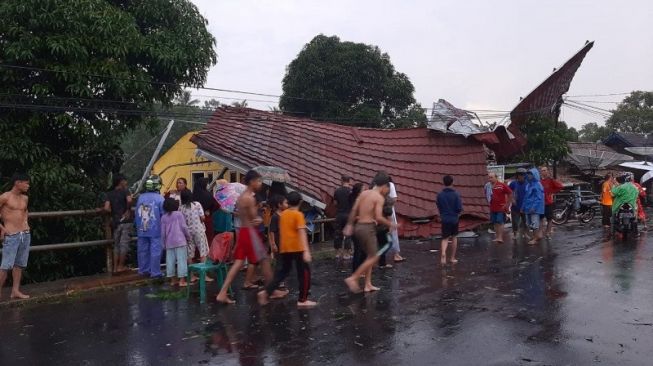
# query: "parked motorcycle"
(583, 210)
(625, 221)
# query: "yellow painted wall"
(183, 151)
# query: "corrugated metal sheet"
(543, 101)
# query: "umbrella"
(227, 195)
(273, 173)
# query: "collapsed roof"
(506, 139)
(316, 154)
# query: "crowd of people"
(528, 199)
(617, 191)
(182, 225)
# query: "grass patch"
(167, 295)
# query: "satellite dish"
(639, 165)
(646, 177)
(641, 150)
(595, 159)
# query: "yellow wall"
(183, 151)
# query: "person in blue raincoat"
(149, 209)
(533, 204)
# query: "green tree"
(633, 114)
(592, 132)
(76, 76)
(185, 99)
(346, 82)
(413, 117)
(545, 143)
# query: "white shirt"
(393, 191)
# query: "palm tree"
(184, 99)
(242, 104)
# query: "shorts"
(533, 221)
(449, 229)
(198, 241)
(15, 250)
(249, 245)
(498, 218)
(366, 235)
(121, 238)
(548, 212)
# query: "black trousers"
(359, 255)
(606, 213)
(339, 238)
(303, 273)
(382, 239)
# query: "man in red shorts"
(249, 244)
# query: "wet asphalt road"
(580, 299)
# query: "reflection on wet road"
(578, 300)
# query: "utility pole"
(148, 169)
(555, 126)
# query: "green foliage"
(346, 82)
(592, 132)
(546, 143)
(633, 114)
(113, 62)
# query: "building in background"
(181, 161)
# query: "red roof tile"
(316, 154)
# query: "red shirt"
(551, 187)
(500, 192)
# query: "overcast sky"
(477, 54)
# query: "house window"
(233, 177)
(195, 178)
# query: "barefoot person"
(366, 214)
(14, 230)
(249, 244)
(450, 206)
(293, 249)
(118, 204)
(499, 204)
(341, 199)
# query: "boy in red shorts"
(249, 244)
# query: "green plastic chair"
(202, 269)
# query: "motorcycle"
(625, 221)
(583, 210)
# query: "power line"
(234, 91)
(599, 95)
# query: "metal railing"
(106, 242)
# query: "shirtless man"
(14, 230)
(249, 244)
(366, 214)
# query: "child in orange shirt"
(293, 248)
